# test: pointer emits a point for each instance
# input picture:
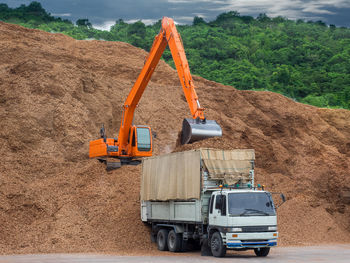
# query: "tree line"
(304, 60)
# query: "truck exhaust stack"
(197, 129)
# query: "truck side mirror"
(283, 198)
(219, 205)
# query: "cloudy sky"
(103, 13)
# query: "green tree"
(198, 21)
(307, 61)
(137, 33)
(84, 23)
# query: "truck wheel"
(174, 241)
(162, 238)
(261, 251)
(217, 247)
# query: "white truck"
(206, 197)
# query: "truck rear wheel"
(217, 247)
(174, 241)
(162, 238)
(261, 251)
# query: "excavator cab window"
(143, 139)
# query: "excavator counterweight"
(136, 141)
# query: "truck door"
(218, 210)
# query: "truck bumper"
(251, 244)
(251, 240)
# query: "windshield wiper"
(253, 210)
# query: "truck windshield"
(248, 204)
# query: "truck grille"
(255, 228)
(253, 240)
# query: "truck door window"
(223, 205)
(218, 202)
(211, 204)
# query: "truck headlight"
(272, 228)
(234, 229)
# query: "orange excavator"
(135, 141)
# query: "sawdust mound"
(55, 93)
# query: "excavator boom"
(129, 138)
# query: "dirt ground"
(54, 94)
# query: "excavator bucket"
(196, 129)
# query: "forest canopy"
(304, 60)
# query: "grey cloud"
(62, 15)
(103, 12)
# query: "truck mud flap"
(205, 249)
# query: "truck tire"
(162, 238)
(217, 247)
(174, 241)
(261, 251)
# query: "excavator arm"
(168, 35)
(194, 128)
(139, 87)
(178, 53)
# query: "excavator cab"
(139, 145)
(141, 141)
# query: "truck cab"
(243, 219)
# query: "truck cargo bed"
(192, 211)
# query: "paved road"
(338, 254)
